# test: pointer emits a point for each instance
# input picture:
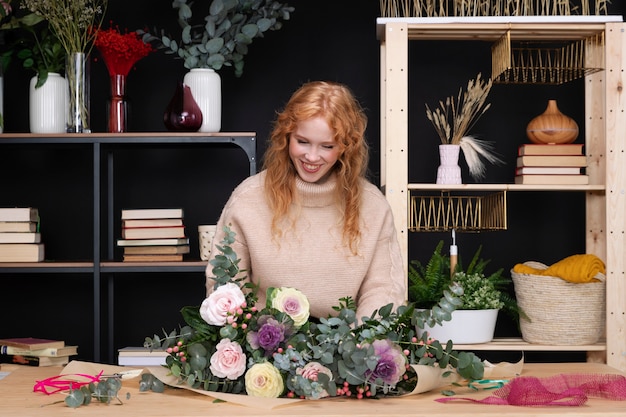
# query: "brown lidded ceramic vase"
(552, 126)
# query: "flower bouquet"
(230, 344)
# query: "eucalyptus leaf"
(264, 24)
(250, 31)
(74, 399)
(216, 7)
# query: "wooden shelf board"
(491, 28)
(188, 266)
(504, 187)
(517, 344)
(46, 266)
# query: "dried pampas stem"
(473, 151)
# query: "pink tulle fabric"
(558, 390)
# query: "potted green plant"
(482, 295)
(220, 38)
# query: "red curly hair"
(344, 115)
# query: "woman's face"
(313, 149)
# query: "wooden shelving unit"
(605, 141)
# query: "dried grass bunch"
(454, 118)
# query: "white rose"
(225, 300)
(264, 380)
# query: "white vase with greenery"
(206, 88)
(47, 104)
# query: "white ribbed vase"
(449, 172)
(48, 104)
(206, 88)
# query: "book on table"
(20, 237)
(153, 258)
(27, 227)
(552, 179)
(550, 149)
(31, 343)
(19, 214)
(156, 250)
(21, 252)
(51, 351)
(35, 360)
(552, 160)
(153, 232)
(141, 356)
(165, 213)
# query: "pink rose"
(228, 361)
(6, 6)
(312, 369)
(225, 300)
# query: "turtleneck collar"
(317, 195)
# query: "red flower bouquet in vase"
(119, 52)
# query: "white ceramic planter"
(48, 104)
(206, 88)
(466, 326)
(449, 171)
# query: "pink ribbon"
(55, 384)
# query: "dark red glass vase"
(118, 107)
(182, 113)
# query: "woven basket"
(560, 312)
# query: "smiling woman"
(310, 220)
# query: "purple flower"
(391, 362)
(269, 335)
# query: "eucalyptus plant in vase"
(219, 38)
(452, 121)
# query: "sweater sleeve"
(384, 282)
(229, 218)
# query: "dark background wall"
(325, 39)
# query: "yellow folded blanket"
(575, 268)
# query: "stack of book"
(20, 239)
(36, 352)
(551, 164)
(153, 235)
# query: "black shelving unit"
(103, 147)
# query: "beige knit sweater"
(312, 258)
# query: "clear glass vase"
(77, 74)
(1, 99)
